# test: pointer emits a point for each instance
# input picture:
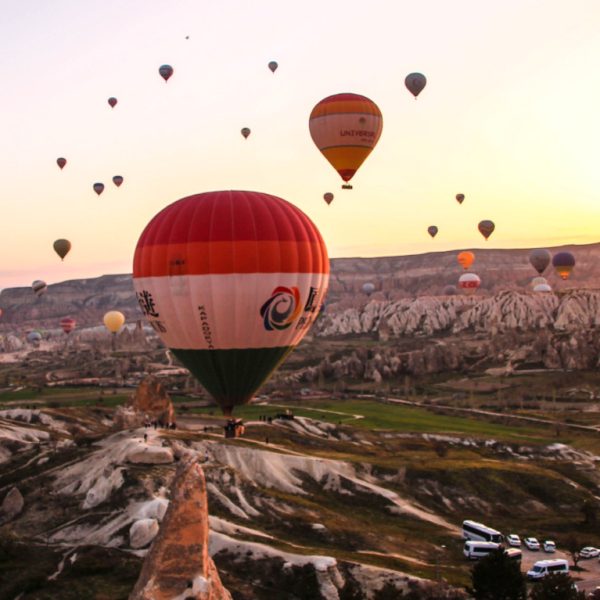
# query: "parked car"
(513, 540)
(589, 552)
(532, 543)
(549, 546)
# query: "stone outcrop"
(12, 504)
(150, 402)
(178, 564)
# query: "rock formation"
(178, 564)
(150, 402)
(12, 504)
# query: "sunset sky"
(509, 117)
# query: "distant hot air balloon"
(114, 320)
(231, 281)
(67, 324)
(246, 132)
(368, 288)
(112, 101)
(98, 188)
(432, 230)
(486, 228)
(465, 259)
(460, 198)
(118, 180)
(62, 247)
(39, 287)
(563, 264)
(540, 259)
(34, 337)
(449, 290)
(345, 128)
(165, 71)
(538, 281)
(328, 197)
(469, 283)
(415, 82)
(542, 288)
(61, 162)
(273, 66)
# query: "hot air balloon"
(114, 320)
(246, 132)
(486, 228)
(432, 230)
(538, 281)
(415, 82)
(469, 283)
(449, 290)
(231, 281)
(165, 71)
(273, 66)
(563, 264)
(61, 162)
(98, 188)
(368, 288)
(460, 198)
(67, 324)
(34, 337)
(328, 197)
(62, 247)
(345, 128)
(112, 102)
(465, 259)
(542, 288)
(118, 180)
(39, 287)
(540, 259)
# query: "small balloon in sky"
(62, 247)
(117, 180)
(245, 132)
(61, 162)
(39, 287)
(415, 82)
(563, 264)
(432, 230)
(98, 188)
(165, 71)
(328, 197)
(465, 259)
(368, 288)
(112, 102)
(460, 198)
(273, 66)
(486, 228)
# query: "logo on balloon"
(281, 309)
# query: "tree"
(573, 545)
(497, 577)
(556, 586)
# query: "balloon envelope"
(98, 188)
(563, 264)
(273, 66)
(345, 128)
(469, 283)
(118, 180)
(368, 288)
(538, 280)
(246, 132)
(449, 290)
(114, 320)
(460, 198)
(165, 71)
(62, 247)
(34, 336)
(542, 288)
(61, 162)
(112, 101)
(540, 259)
(465, 259)
(432, 230)
(231, 281)
(67, 324)
(328, 197)
(415, 82)
(39, 287)
(486, 228)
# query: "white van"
(474, 550)
(544, 567)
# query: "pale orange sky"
(508, 117)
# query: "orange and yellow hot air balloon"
(346, 128)
(465, 259)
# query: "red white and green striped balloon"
(231, 281)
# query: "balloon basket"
(346, 186)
